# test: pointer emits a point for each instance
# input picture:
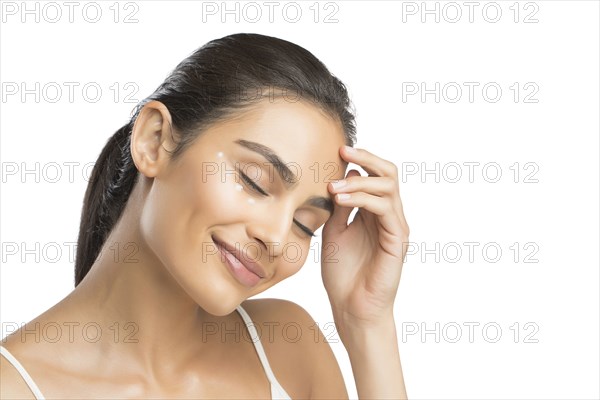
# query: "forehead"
(301, 134)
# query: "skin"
(169, 283)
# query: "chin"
(218, 301)
(220, 308)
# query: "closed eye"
(253, 185)
(258, 189)
(305, 229)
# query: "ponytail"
(109, 187)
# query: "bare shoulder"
(271, 308)
(13, 385)
(298, 348)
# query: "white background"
(378, 50)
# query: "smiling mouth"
(234, 260)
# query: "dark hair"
(218, 79)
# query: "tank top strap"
(277, 391)
(24, 374)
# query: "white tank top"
(277, 392)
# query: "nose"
(271, 229)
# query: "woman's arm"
(362, 276)
(375, 360)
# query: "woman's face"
(207, 199)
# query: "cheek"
(216, 197)
(182, 208)
(292, 257)
(163, 219)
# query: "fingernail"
(350, 149)
(338, 184)
(343, 196)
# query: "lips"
(250, 265)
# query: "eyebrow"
(287, 175)
(321, 202)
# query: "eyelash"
(258, 189)
(251, 183)
(305, 229)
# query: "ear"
(151, 140)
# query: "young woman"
(204, 192)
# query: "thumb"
(338, 220)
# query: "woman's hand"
(361, 262)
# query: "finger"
(372, 164)
(379, 186)
(375, 185)
(380, 206)
(339, 219)
(377, 167)
(375, 204)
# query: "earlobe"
(151, 139)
